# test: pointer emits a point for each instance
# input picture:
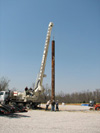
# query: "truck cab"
(3, 96)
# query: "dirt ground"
(70, 119)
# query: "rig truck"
(29, 97)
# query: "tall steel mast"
(43, 63)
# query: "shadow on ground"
(15, 115)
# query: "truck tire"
(28, 106)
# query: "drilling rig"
(29, 97)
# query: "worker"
(53, 105)
(57, 105)
(47, 105)
(26, 90)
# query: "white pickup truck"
(3, 96)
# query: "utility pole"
(53, 72)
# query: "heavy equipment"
(29, 97)
(97, 107)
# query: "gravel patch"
(70, 119)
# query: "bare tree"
(4, 83)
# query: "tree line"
(76, 97)
(80, 97)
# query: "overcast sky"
(23, 29)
